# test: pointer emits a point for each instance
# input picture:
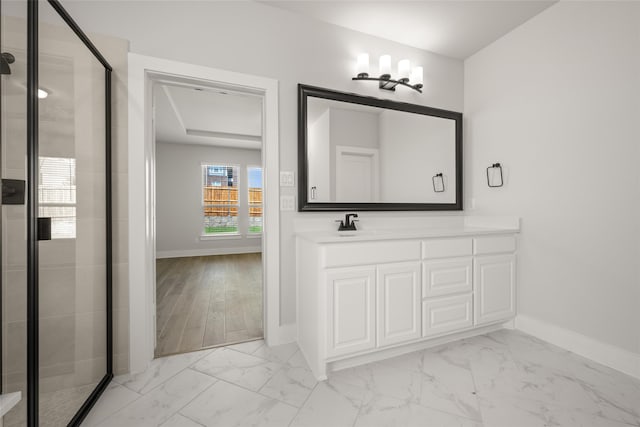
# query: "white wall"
(257, 39)
(179, 218)
(413, 148)
(557, 101)
(354, 128)
(319, 170)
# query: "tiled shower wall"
(115, 51)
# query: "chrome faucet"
(348, 224)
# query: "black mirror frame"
(304, 91)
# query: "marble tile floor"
(502, 379)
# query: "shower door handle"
(44, 228)
(13, 191)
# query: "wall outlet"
(287, 179)
(287, 203)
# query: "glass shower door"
(72, 198)
(56, 238)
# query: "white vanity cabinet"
(372, 300)
(372, 304)
(362, 297)
(447, 285)
(494, 279)
(398, 303)
(350, 310)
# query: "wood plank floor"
(207, 301)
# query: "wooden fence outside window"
(225, 201)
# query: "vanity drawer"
(446, 248)
(446, 314)
(364, 253)
(446, 277)
(494, 245)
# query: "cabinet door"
(351, 310)
(445, 277)
(446, 314)
(398, 295)
(494, 288)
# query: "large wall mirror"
(363, 153)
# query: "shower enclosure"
(55, 164)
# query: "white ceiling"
(207, 116)
(453, 28)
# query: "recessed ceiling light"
(42, 94)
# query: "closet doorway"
(209, 216)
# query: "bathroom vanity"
(400, 283)
(367, 295)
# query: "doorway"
(209, 216)
(144, 71)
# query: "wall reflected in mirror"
(358, 153)
(373, 154)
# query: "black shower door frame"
(32, 216)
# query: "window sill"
(227, 236)
(254, 236)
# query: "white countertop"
(395, 234)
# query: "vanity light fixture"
(406, 76)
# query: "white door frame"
(143, 71)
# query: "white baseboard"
(426, 342)
(606, 354)
(208, 251)
(288, 333)
(510, 324)
(285, 334)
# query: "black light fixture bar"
(387, 83)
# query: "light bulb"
(362, 66)
(417, 78)
(385, 66)
(404, 68)
(42, 94)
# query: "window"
(57, 195)
(220, 199)
(254, 178)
